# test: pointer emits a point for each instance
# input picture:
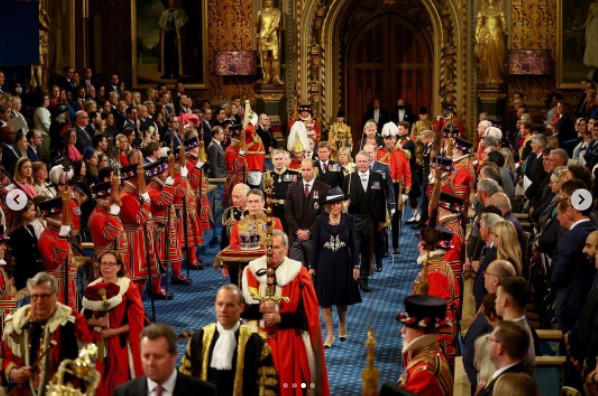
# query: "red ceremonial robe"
(122, 358)
(196, 178)
(66, 326)
(298, 355)
(107, 232)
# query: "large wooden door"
(388, 58)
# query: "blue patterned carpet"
(192, 308)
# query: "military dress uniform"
(230, 216)
(441, 282)
(56, 253)
(280, 184)
(137, 221)
(330, 173)
(426, 370)
(105, 227)
(339, 136)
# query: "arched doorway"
(388, 57)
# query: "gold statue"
(339, 135)
(268, 25)
(37, 71)
(490, 46)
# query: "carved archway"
(318, 45)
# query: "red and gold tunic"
(8, 304)
(162, 201)
(442, 283)
(56, 254)
(136, 219)
(453, 257)
(400, 170)
(194, 234)
(196, 178)
(236, 169)
(427, 372)
(462, 179)
(107, 231)
(256, 153)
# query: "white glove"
(64, 231)
(392, 212)
(114, 209)
(242, 153)
(145, 197)
(184, 171)
(169, 181)
(199, 164)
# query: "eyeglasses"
(42, 297)
(109, 264)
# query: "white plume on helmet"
(390, 129)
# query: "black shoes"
(364, 287)
(395, 251)
(179, 281)
(164, 297)
(378, 268)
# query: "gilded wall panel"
(230, 27)
(533, 27)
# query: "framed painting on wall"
(577, 43)
(169, 42)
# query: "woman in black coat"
(334, 257)
(24, 245)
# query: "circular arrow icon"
(581, 199)
(16, 199)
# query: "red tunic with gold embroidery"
(136, 219)
(162, 201)
(442, 283)
(56, 254)
(427, 372)
(400, 170)
(196, 178)
(107, 231)
(236, 169)
(462, 179)
(256, 154)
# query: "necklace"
(335, 222)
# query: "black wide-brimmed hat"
(451, 202)
(463, 145)
(128, 172)
(445, 163)
(51, 206)
(424, 312)
(100, 190)
(156, 168)
(335, 194)
(191, 143)
(304, 107)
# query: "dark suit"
(487, 256)
(489, 388)
(333, 177)
(478, 328)
(267, 138)
(25, 251)
(207, 132)
(533, 168)
(9, 159)
(567, 135)
(184, 385)
(381, 241)
(407, 115)
(572, 275)
(32, 154)
(383, 118)
(301, 213)
(369, 209)
(216, 160)
(83, 139)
